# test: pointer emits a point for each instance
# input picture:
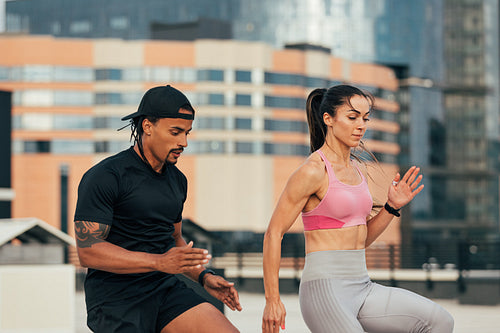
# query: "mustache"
(178, 150)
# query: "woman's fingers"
(417, 191)
(414, 185)
(407, 174)
(271, 326)
(413, 175)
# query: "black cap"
(163, 102)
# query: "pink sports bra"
(343, 205)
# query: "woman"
(336, 294)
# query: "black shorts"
(146, 313)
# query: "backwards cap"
(163, 102)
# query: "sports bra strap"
(329, 169)
(359, 170)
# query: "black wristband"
(202, 275)
(392, 210)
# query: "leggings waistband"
(335, 264)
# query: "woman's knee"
(443, 321)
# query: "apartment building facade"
(250, 131)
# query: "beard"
(177, 151)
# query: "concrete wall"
(37, 298)
(31, 254)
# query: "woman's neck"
(337, 153)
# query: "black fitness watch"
(202, 275)
(392, 210)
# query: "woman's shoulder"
(313, 168)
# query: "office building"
(250, 131)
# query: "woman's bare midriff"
(351, 238)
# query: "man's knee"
(201, 318)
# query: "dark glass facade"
(5, 150)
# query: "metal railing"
(425, 262)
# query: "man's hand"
(182, 259)
(223, 290)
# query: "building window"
(285, 125)
(73, 74)
(132, 74)
(215, 99)
(55, 28)
(116, 146)
(317, 82)
(206, 147)
(285, 102)
(36, 147)
(34, 73)
(72, 147)
(16, 122)
(4, 73)
(244, 147)
(111, 74)
(108, 98)
(14, 23)
(108, 123)
(380, 136)
(34, 98)
(210, 75)
(385, 115)
(175, 74)
(206, 99)
(243, 100)
(101, 147)
(73, 98)
(65, 122)
(284, 79)
(36, 121)
(285, 149)
(217, 123)
(119, 22)
(78, 27)
(386, 158)
(243, 123)
(243, 76)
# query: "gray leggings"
(336, 295)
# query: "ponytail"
(317, 127)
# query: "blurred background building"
(249, 65)
(250, 132)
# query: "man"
(129, 232)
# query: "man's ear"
(146, 126)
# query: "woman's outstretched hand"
(274, 317)
(403, 190)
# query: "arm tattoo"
(90, 233)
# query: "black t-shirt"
(141, 206)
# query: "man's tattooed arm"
(90, 233)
